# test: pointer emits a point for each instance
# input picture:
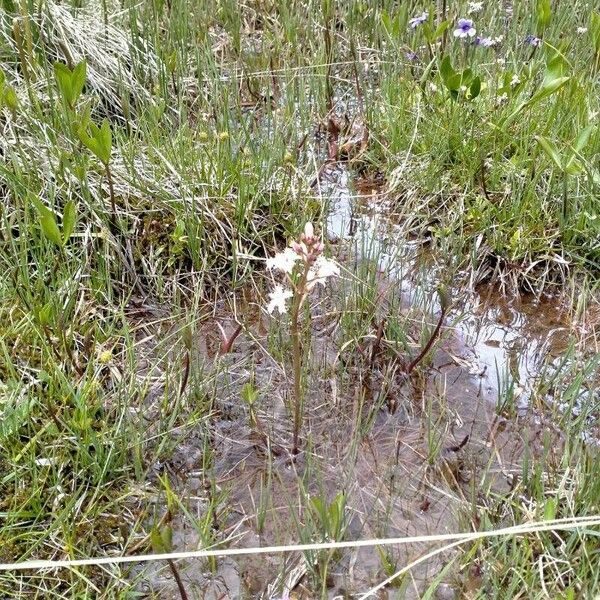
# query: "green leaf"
(44, 314)
(550, 509)
(68, 221)
(156, 541)
(542, 93)
(548, 88)
(441, 28)
(98, 140)
(573, 167)
(594, 31)
(48, 222)
(166, 536)
(466, 77)
(9, 98)
(583, 138)
(551, 150)
(427, 72)
(105, 138)
(432, 35)
(543, 11)
(62, 74)
(475, 88)
(446, 71)
(70, 82)
(78, 77)
(556, 67)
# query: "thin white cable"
(557, 524)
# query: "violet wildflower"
(416, 21)
(534, 41)
(411, 55)
(464, 28)
(484, 42)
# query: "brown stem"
(227, 342)
(177, 577)
(428, 345)
(483, 183)
(186, 372)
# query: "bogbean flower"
(284, 261)
(277, 299)
(534, 41)
(464, 28)
(419, 20)
(320, 271)
(316, 269)
(475, 7)
(582, 30)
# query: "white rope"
(557, 524)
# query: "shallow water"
(506, 340)
(414, 471)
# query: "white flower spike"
(278, 297)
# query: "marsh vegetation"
(280, 273)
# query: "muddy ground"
(413, 455)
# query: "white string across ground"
(457, 538)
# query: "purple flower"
(464, 28)
(411, 55)
(485, 42)
(534, 41)
(416, 21)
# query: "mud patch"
(397, 455)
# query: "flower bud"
(309, 231)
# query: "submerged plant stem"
(178, 580)
(428, 345)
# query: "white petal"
(284, 261)
(278, 297)
(323, 268)
(471, 32)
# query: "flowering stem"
(297, 366)
(300, 294)
(315, 269)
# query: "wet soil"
(412, 455)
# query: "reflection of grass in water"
(111, 373)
